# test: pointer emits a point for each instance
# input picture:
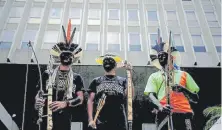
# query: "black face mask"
(108, 64)
(163, 57)
(66, 58)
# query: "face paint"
(66, 58)
(163, 57)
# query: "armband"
(74, 102)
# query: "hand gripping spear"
(170, 80)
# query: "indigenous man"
(67, 86)
(109, 89)
(182, 92)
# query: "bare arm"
(90, 106)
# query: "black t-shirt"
(114, 88)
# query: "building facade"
(124, 27)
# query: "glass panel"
(213, 24)
(180, 48)
(25, 45)
(113, 38)
(113, 47)
(94, 14)
(171, 15)
(58, 0)
(36, 12)
(218, 48)
(5, 45)
(217, 39)
(199, 48)
(134, 38)
(114, 14)
(197, 40)
(113, 1)
(55, 13)
(93, 37)
(191, 15)
(152, 16)
(135, 47)
(7, 35)
(92, 47)
(75, 13)
(210, 16)
(16, 12)
(177, 39)
(51, 36)
(133, 15)
(29, 35)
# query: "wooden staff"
(100, 106)
(129, 95)
(49, 98)
(170, 82)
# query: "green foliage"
(213, 114)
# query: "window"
(134, 42)
(94, 14)
(75, 13)
(198, 45)
(40, 0)
(55, 13)
(36, 12)
(7, 35)
(92, 41)
(55, 16)
(133, 15)
(217, 42)
(211, 19)
(178, 42)
(218, 48)
(197, 40)
(16, 12)
(217, 39)
(5, 45)
(152, 16)
(29, 35)
(6, 39)
(51, 36)
(113, 41)
(191, 18)
(113, 1)
(92, 47)
(94, 17)
(58, 0)
(113, 14)
(153, 38)
(171, 16)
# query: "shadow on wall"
(13, 81)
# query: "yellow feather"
(54, 53)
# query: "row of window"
(113, 40)
(113, 14)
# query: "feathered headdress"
(163, 47)
(99, 60)
(67, 46)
